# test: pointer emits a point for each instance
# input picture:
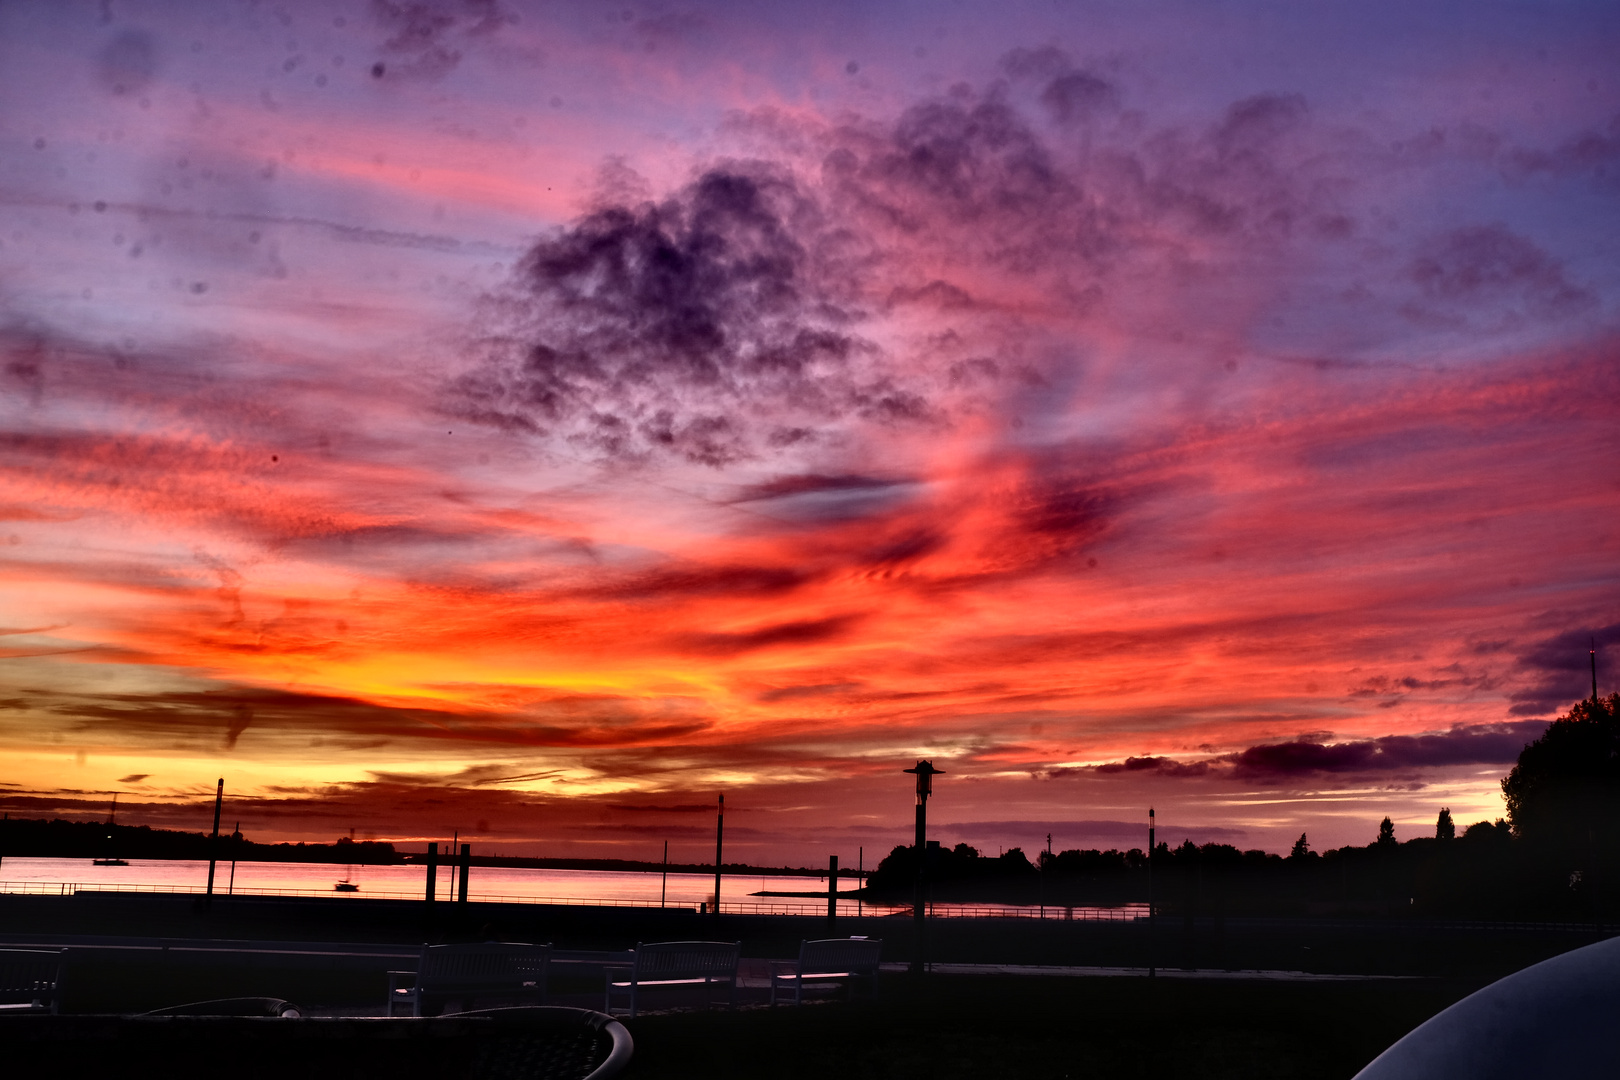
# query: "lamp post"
(925, 773)
(1594, 669)
(1151, 971)
(719, 838)
(213, 841)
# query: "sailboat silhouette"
(348, 872)
(111, 858)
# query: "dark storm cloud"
(815, 499)
(790, 633)
(1485, 744)
(426, 38)
(698, 581)
(1588, 152)
(1561, 668)
(787, 486)
(1495, 270)
(810, 690)
(1158, 766)
(706, 327)
(275, 721)
(128, 63)
(1314, 756)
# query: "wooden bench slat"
(31, 978)
(830, 958)
(512, 970)
(672, 963)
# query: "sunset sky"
(533, 420)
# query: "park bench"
(848, 959)
(31, 979)
(674, 963)
(508, 972)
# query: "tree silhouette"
(1444, 829)
(1301, 848)
(1563, 796)
(1386, 833)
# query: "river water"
(612, 887)
(630, 888)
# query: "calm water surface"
(484, 883)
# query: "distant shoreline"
(36, 838)
(513, 862)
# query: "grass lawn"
(985, 1027)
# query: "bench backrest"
(29, 975)
(487, 964)
(686, 960)
(858, 955)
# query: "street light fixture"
(925, 773)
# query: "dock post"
(432, 870)
(1152, 957)
(719, 838)
(236, 845)
(832, 891)
(925, 773)
(466, 866)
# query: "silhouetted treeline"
(98, 840)
(1484, 873)
(958, 864)
(1555, 856)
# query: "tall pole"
(450, 860)
(925, 773)
(466, 868)
(663, 888)
(919, 902)
(213, 841)
(1152, 972)
(719, 840)
(1045, 866)
(432, 871)
(832, 891)
(860, 879)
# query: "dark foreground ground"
(946, 1027)
(155, 951)
(985, 1028)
